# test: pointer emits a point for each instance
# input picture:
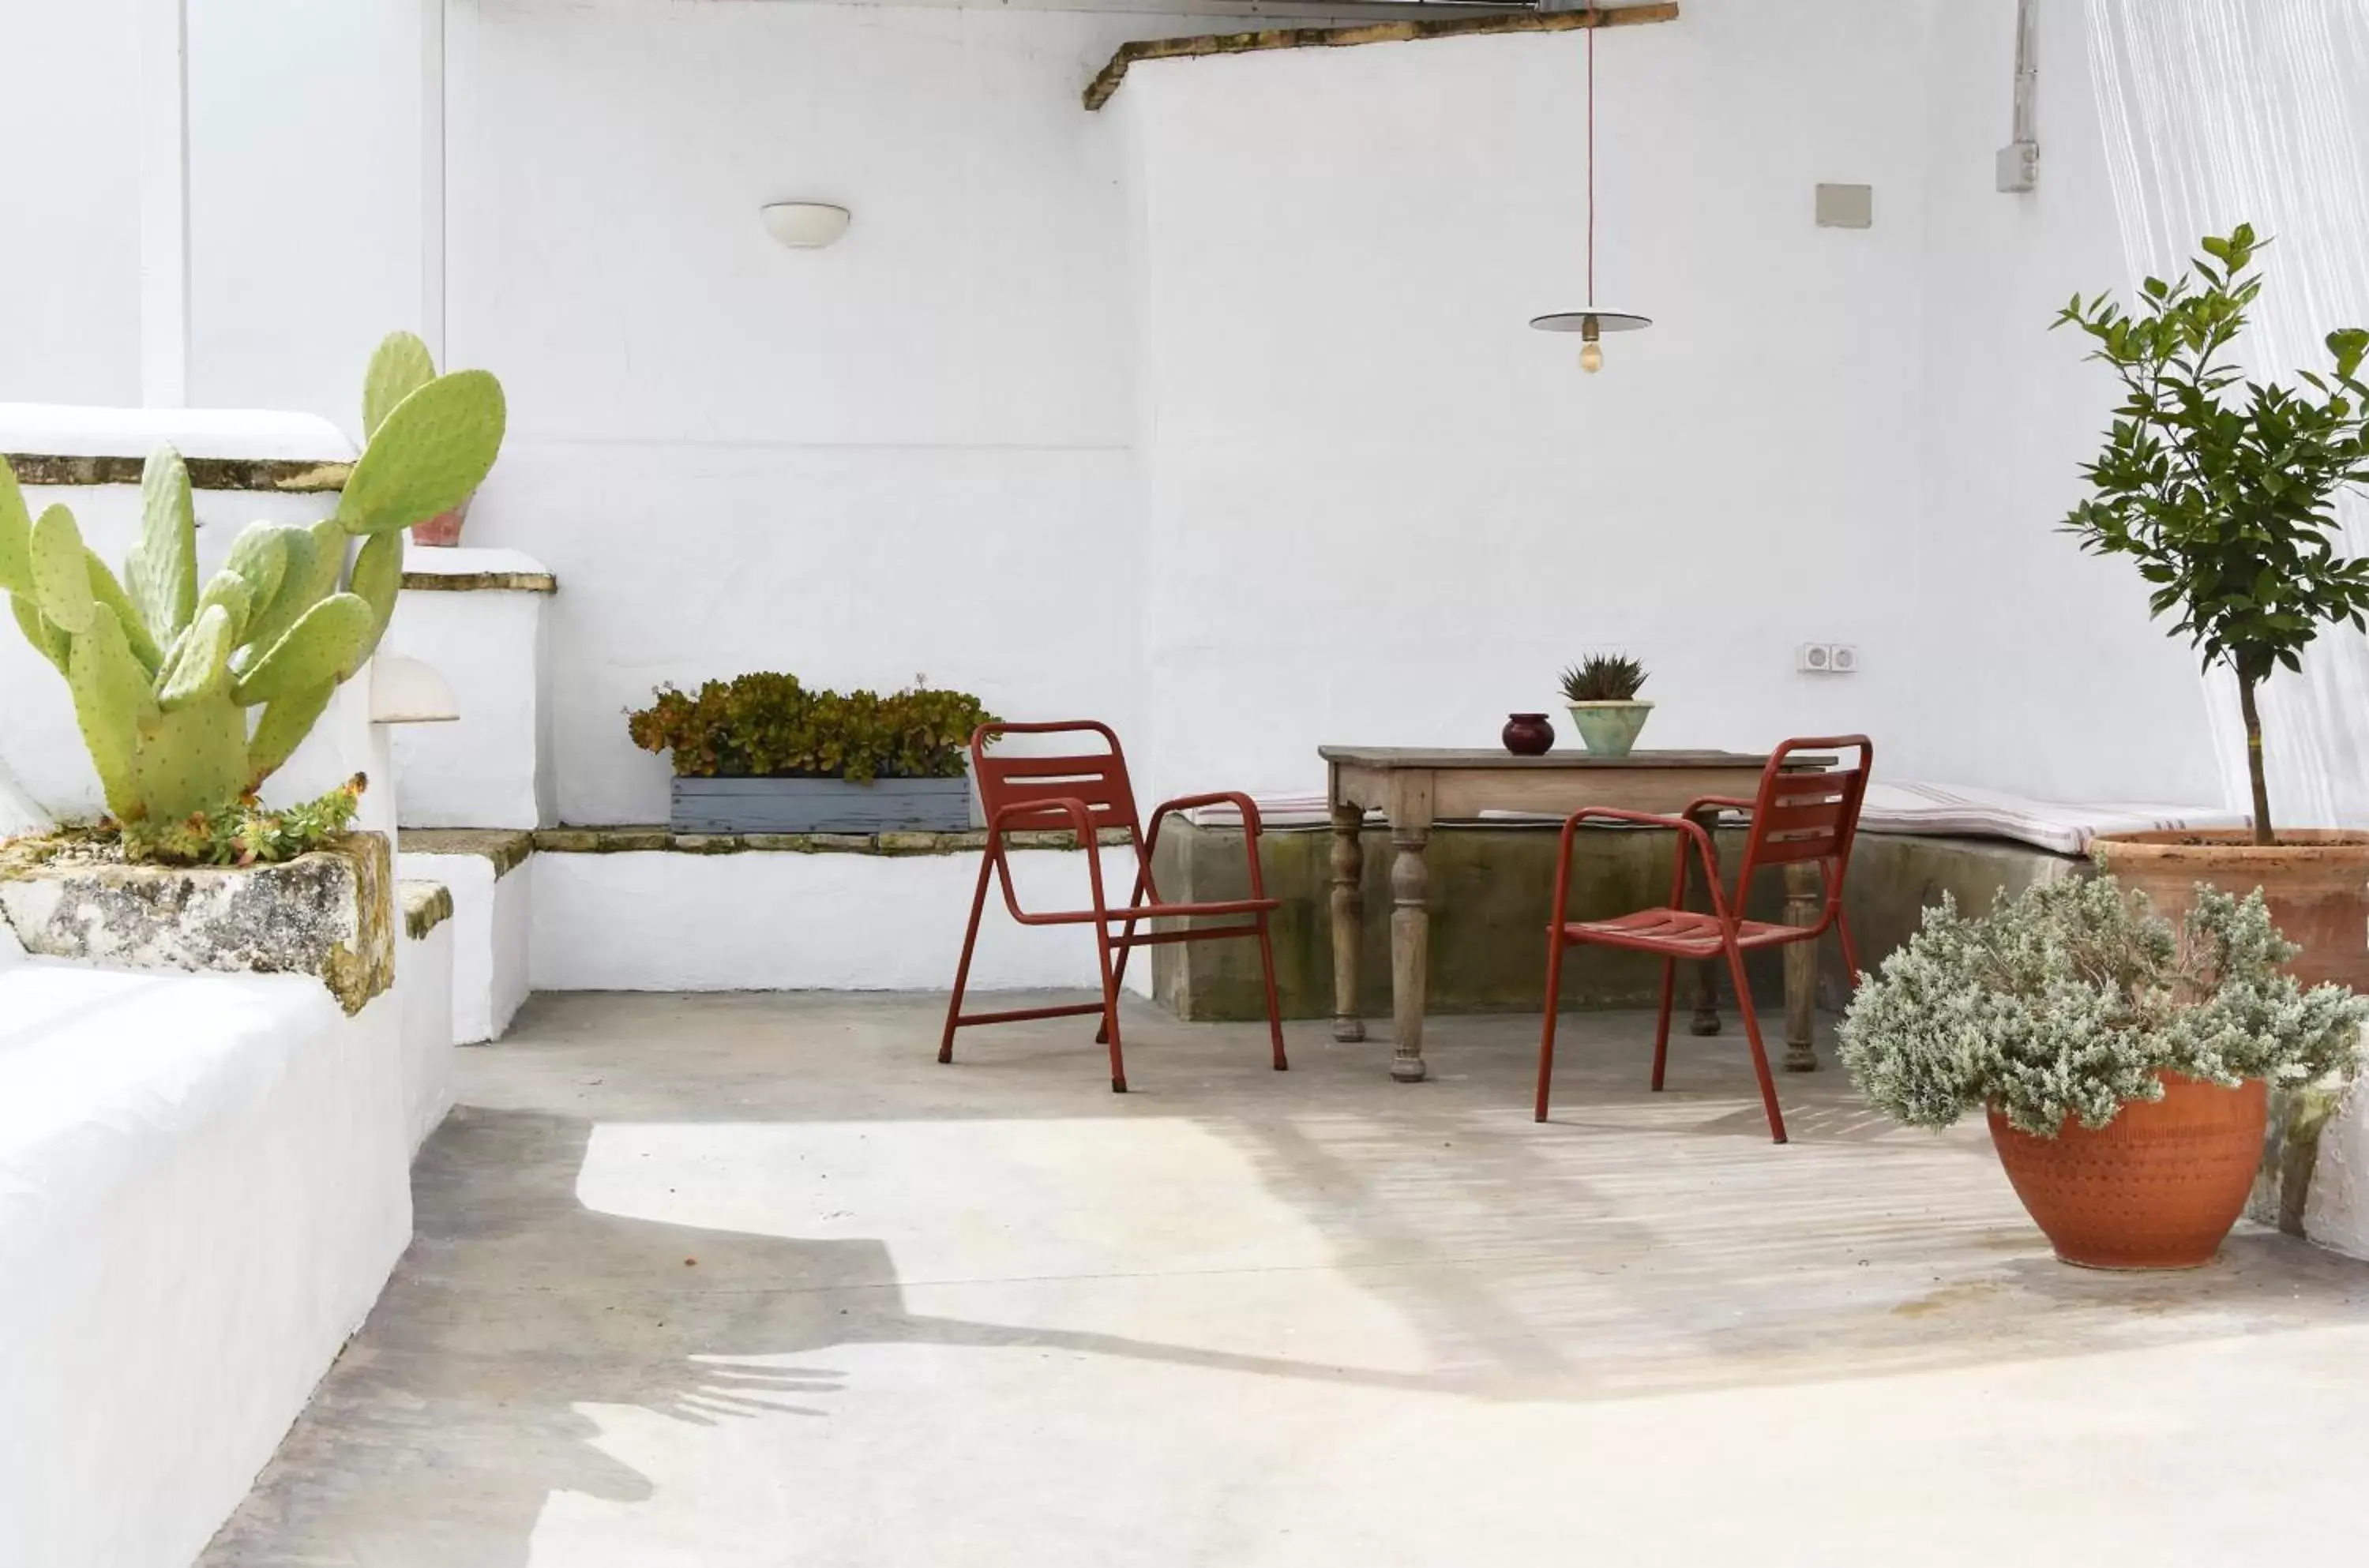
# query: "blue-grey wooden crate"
(822, 805)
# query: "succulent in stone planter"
(1601, 691)
(190, 697)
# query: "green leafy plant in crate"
(768, 726)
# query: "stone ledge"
(507, 848)
(661, 839)
(480, 582)
(274, 474)
(425, 906)
(1098, 91)
(328, 914)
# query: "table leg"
(1409, 946)
(1803, 884)
(1348, 919)
(1696, 896)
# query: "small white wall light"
(805, 225)
(404, 690)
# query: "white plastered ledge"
(251, 435)
(204, 1185)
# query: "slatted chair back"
(1802, 815)
(1097, 779)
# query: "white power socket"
(1827, 658)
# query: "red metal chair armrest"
(1075, 809)
(1242, 802)
(1686, 828)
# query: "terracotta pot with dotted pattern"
(2157, 1187)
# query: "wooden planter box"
(822, 805)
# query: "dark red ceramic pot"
(1528, 735)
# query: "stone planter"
(821, 805)
(1609, 728)
(330, 914)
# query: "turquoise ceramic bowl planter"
(1608, 729)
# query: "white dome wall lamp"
(1592, 322)
(805, 225)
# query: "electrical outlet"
(1827, 658)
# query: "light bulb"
(1591, 356)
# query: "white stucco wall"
(492, 924)
(492, 767)
(784, 921)
(207, 1181)
(2047, 675)
(1213, 414)
(70, 147)
(423, 981)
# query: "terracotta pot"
(2157, 1187)
(443, 529)
(2315, 882)
(1528, 735)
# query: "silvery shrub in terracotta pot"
(2122, 1063)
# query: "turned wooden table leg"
(1410, 948)
(1803, 883)
(1706, 974)
(1348, 919)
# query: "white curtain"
(2222, 111)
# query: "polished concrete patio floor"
(729, 1280)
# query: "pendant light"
(1591, 323)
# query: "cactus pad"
(400, 367)
(16, 535)
(201, 664)
(61, 580)
(111, 704)
(164, 564)
(327, 644)
(430, 455)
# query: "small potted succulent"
(1602, 693)
(2123, 1064)
(763, 753)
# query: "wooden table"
(1415, 787)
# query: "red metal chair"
(1799, 815)
(1084, 793)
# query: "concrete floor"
(730, 1280)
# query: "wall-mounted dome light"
(805, 225)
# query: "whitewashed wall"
(70, 160)
(2046, 674)
(1381, 509)
(907, 454)
(1214, 414)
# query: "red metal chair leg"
(1274, 1006)
(1118, 981)
(1110, 1011)
(962, 969)
(1555, 945)
(1752, 1037)
(1850, 953)
(1662, 1023)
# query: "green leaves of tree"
(2223, 490)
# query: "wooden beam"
(1098, 91)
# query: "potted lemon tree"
(2223, 490)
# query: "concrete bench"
(204, 1183)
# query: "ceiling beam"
(1098, 91)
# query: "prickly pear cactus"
(165, 672)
